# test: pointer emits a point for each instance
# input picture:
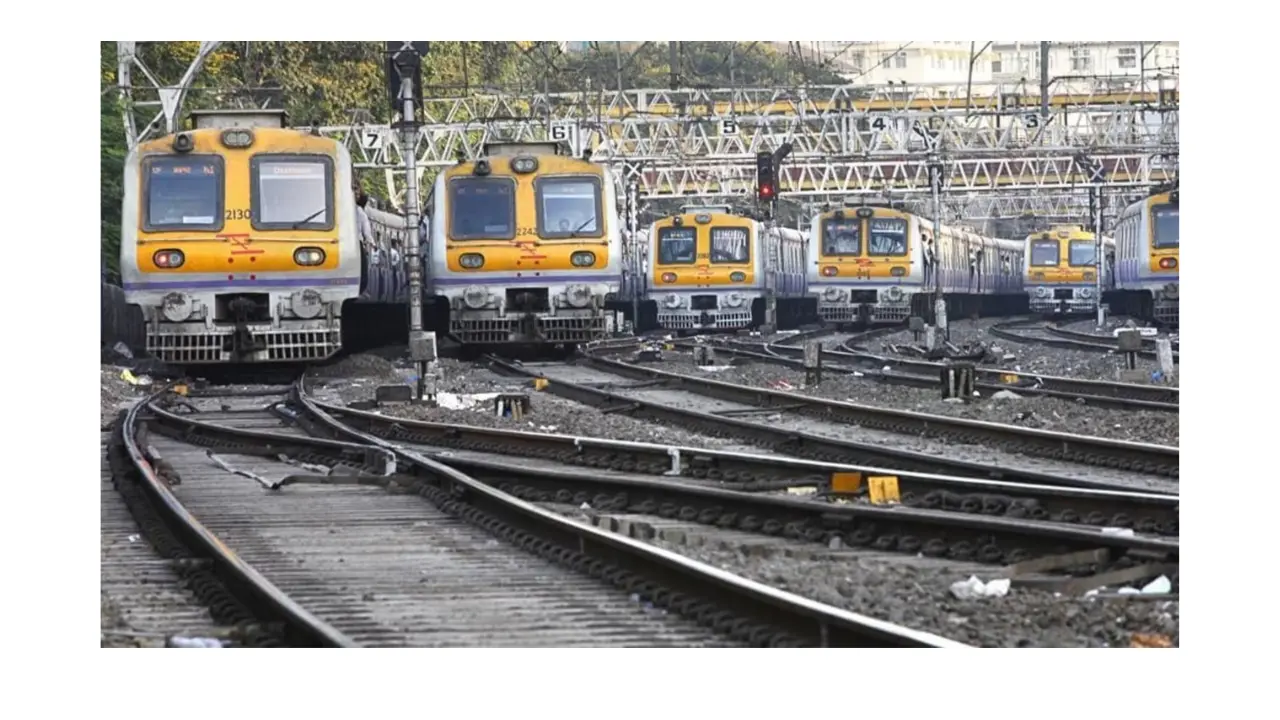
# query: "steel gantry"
(144, 94)
(847, 141)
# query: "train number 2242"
(237, 214)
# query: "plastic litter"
(1122, 532)
(975, 588)
(178, 641)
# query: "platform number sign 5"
(728, 127)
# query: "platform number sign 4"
(878, 123)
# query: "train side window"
(182, 192)
(291, 192)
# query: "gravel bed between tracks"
(1029, 358)
(911, 590)
(115, 393)
(1026, 411)
(355, 378)
(684, 399)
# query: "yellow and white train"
(878, 265)
(239, 241)
(1147, 261)
(1060, 270)
(524, 248)
(710, 269)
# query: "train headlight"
(737, 276)
(524, 164)
(475, 297)
(668, 277)
(307, 304)
(672, 300)
(830, 271)
(1042, 292)
(168, 259)
(1086, 293)
(176, 307)
(308, 256)
(578, 296)
(1168, 263)
(733, 299)
(898, 271)
(471, 261)
(582, 258)
(237, 138)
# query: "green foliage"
(331, 83)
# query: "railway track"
(1042, 333)
(326, 542)
(924, 374)
(633, 467)
(1141, 457)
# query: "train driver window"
(677, 245)
(1165, 219)
(888, 236)
(1044, 253)
(841, 237)
(730, 245)
(182, 192)
(291, 192)
(482, 208)
(1082, 253)
(568, 207)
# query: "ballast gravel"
(1029, 357)
(918, 595)
(355, 378)
(115, 393)
(1026, 411)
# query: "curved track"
(327, 543)
(1140, 457)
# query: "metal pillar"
(413, 251)
(939, 302)
(1044, 79)
(1099, 261)
(637, 250)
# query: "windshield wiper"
(307, 219)
(574, 233)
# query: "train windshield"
(1165, 218)
(677, 245)
(1082, 252)
(1044, 253)
(841, 237)
(568, 207)
(482, 208)
(292, 193)
(183, 193)
(730, 245)
(888, 237)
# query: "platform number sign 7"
(371, 140)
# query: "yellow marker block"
(1009, 379)
(668, 346)
(180, 389)
(128, 377)
(540, 383)
(846, 482)
(884, 489)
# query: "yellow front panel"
(1159, 254)
(527, 252)
(237, 247)
(863, 265)
(702, 271)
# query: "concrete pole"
(413, 251)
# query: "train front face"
(861, 267)
(1162, 263)
(1060, 274)
(706, 271)
(239, 245)
(525, 249)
